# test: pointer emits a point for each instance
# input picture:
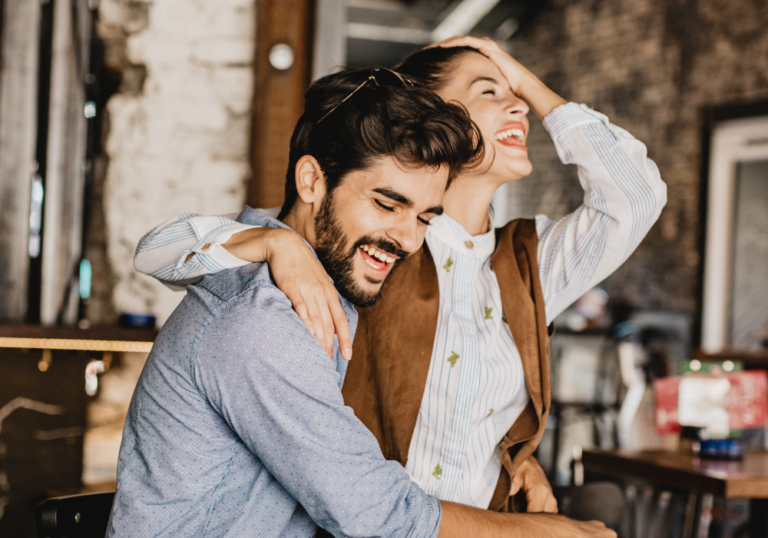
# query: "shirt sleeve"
(623, 197)
(182, 250)
(273, 384)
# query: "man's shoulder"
(246, 296)
(251, 326)
(231, 283)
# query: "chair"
(76, 516)
(600, 501)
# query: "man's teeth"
(378, 254)
(517, 133)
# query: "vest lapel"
(391, 354)
(517, 296)
(515, 265)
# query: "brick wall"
(652, 66)
(179, 128)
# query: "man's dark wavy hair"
(382, 119)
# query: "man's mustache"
(384, 245)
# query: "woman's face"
(477, 83)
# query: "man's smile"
(378, 261)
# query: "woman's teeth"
(378, 254)
(517, 133)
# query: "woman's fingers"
(328, 326)
(551, 505)
(341, 325)
(540, 499)
(483, 44)
(302, 278)
(517, 483)
(301, 310)
(318, 324)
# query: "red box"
(746, 402)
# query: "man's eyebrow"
(484, 79)
(394, 195)
(397, 197)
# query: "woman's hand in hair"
(523, 83)
(299, 275)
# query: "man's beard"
(330, 246)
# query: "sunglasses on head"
(383, 73)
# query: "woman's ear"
(310, 181)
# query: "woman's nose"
(517, 106)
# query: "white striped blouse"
(475, 388)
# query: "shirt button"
(469, 244)
(206, 246)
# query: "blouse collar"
(450, 232)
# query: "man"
(237, 426)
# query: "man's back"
(237, 428)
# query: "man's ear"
(310, 181)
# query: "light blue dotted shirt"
(237, 428)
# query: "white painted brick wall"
(182, 145)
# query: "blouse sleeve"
(623, 197)
(182, 250)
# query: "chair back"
(596, 501)
(76, 516)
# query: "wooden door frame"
(278, 98)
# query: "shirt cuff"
(570, 115)
(211, 245)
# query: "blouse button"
(469, 244)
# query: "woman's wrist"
(256, 245)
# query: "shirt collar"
(454, 235)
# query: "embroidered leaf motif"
(488, 312)
(448, 265)
(438, 472)
(453, 358)
(489, 413)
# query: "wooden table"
(747, 479)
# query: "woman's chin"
(512, 170)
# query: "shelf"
(115, 339)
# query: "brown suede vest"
(393, 347)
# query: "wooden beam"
(279, 94)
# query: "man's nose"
(408, 234)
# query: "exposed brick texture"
(178, 129)
(652, 66)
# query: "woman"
(459, 392)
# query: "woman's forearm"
(187, 247)
(256, 244)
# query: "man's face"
(372, 220)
